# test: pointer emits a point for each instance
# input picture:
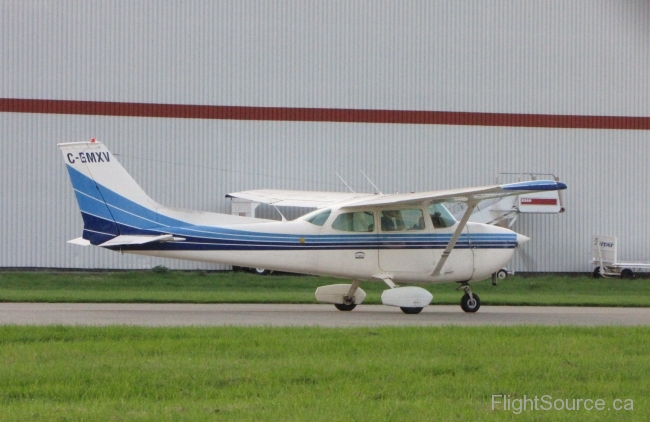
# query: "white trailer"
(605, 255)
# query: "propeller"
(522, 254)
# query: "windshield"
(318, 217)
(440, 216)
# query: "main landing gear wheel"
(502, 274)
(470, 304)
(596, 273)
(261, 271)
(344, 307)
(411, 311)
(627, 274)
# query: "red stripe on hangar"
(538, 201)
(342, 115)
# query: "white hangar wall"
(192, 164)
(558, 58)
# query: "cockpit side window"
(397, 220)
(359, 221)
(440, 216)
(318, 217)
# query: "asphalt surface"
(308, 315)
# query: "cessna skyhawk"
(394, 238)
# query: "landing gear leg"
(470, 302)
(349, 298)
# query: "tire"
(502, 274)
(344, 307)
(627, 274)
(411, 311)
(261, 271)
(596, 273)
(470, 306)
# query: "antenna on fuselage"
(348, 186)
(373, 185)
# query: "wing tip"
(536, 185)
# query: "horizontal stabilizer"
(79, 241)
(140, 240)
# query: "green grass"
(317, 374)
(221, 287)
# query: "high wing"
(469, 195)
(357, 200)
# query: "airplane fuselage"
(403, 255)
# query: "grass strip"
(229, 287)
(318, 374)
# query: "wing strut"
(454, 238)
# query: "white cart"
(604, 254)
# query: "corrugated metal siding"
(558, 57)
(192, 164)
(574, 57)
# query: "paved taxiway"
(308, 315)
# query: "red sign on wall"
(538, 201)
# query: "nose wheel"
(470, 302)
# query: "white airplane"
(395, 238)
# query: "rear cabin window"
(360, 221)
(399, 220)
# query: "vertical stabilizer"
(105, 192)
